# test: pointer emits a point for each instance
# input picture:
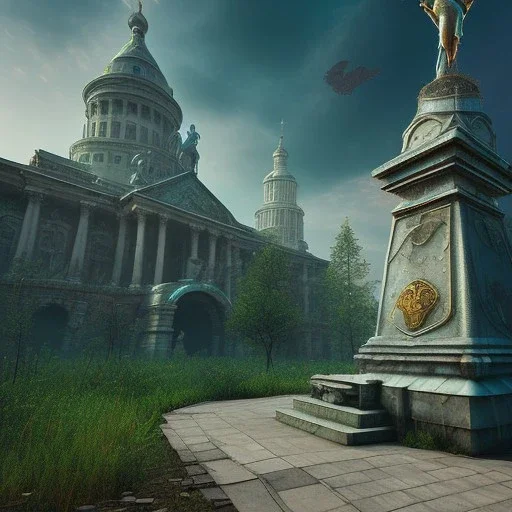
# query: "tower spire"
(140, 7)
(282, 134)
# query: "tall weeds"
(76, 432)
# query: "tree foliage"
(264, 312)
(349, 300)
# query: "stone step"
(347, 390)
(349, 416)
(342, 434)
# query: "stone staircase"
(342, 408)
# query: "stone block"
(347, 390)
(311, 498)
(289, 479)
(195, 469)
(227, 472)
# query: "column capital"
(230, 238)
(163, 219)
(214, 233)
(34, 195)
(141, 214)
(86, 206)
(196, 227)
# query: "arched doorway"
(49, 325)
(199, 318)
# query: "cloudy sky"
(237, 67)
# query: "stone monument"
(443, 346)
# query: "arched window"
(136, 70)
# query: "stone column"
(194, 264)
(160, 252)
(76, 264)
(158, 339)
(139, 249)
(29, 227)
(213, 235)
(194, 246)
(229, 268)
(121, 241)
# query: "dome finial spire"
(138, 23)
(282, 134)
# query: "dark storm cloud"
(268, 59)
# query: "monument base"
(467, 416)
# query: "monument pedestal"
(444, 331)
(443, 346)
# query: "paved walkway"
(265, 466)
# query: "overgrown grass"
(76, 432)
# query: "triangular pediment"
(186, 192)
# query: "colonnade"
(31, 222)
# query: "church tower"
(280, 217)
(132, 119)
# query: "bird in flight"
(345, 83)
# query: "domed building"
(130, 111)
(123, 233)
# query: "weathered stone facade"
(125, 221)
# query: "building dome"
(134, 58)
(132, 118)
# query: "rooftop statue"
(448, 16)
(142, 165)
(192, 138)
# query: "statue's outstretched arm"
(431, 13)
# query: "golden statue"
(448, 16)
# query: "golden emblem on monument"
(416, 302)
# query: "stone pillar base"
(467, 416)
(194, 268)
(158, 337)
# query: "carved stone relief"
(424, 132)
(101, 254)
(492, 264)
(53, 243)
(418, 295)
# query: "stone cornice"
(113, 144)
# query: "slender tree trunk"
(349, 303)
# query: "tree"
(349, 301)
(264, 312)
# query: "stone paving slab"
(251, 496)
(264, 465)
